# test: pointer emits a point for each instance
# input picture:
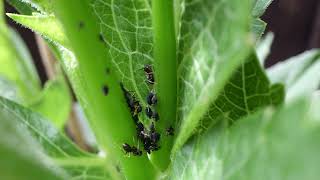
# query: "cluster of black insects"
(151, 137)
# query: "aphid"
(136, 151)
(139, 127)
(150, 78)
(105, 90)
(107, 70)
(155, 137)
(155, 116)
(131, 149)
(101, 38)
(129, 99)
(81, 25)
(148, 69)
(149, 73)
(127, 148)
(135, 119)
(136, 108)
(152, 128)
(141, 134)
(152, 99)
(170, 131)
(149, 112)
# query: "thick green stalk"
(166, 75)
(102, 98)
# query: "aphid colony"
(149, 137)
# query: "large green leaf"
(214, 41)
(127, 30)
(247, 91)
(54, 146)
(16, 65)
(21, 156)
(46, 25)
(53, 142)
(276, 145)
(299, 74)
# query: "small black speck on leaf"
(101, 38)
(105, 90)
(81, 25)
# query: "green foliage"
(272, 144)
(16, 65)
(299, 74)
(248, 90)
(56, 92)
(42, 143)
(208, 54)
(227, 111)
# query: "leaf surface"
(299, 74)
(214, 41)
(247, 91)
(279, 144)
(51, 146)
(56, 92)
(17, 66)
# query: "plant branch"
(103, 100)
(166, 75)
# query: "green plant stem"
(1, 12)
(166, 75)
(108, 114)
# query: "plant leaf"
(258, 26)
(54, 146)
(8, 89)
(263, 47)
(214, 41)
(260, 7)
(21, 156)
(127, 30)
(56, 92)
(247, 91)
(21, 7)
(17, 65)
(45, 6)
(54, 143)
(46, 25)
(299, 74)
(271, 145)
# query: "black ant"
(170, 131)
(152, 99)
(149, 73)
